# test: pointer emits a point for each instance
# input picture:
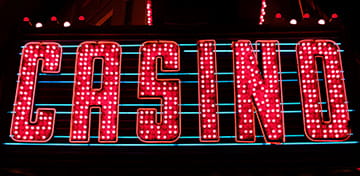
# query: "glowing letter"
(336, 128)
(106, 98)
(23, 127)
(208, 100)
(151, 129)
(260, 92)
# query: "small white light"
(293, 21)
(38, 25)
(67, 24)
(321, 21)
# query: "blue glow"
(289, 80)
(221, 112)
(181, 137)
(187, 44)
(180, 145)
(185, 104)
(291, 103)
(292, 111)
(223, 44)
(222, 51)
(225, 112)
(289, 72)
(224, 73)
(186, 137)
(188, 112)
(190, 51)
(140, 105)
(189, 104)
(163, 74)
(225, 81)
(69, 46)
(230, 51)
(287, 51)
(68, 53)
(226, 104)
(135, 82)
(177, 74)
(137, 53)
(74, 53)
(122, 74)
(189, 81)
(181, 44)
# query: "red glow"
(23, 128)
(306, 15)
(26, 19)
(252, 92)
(53, 18)
(106, 98)
(81, 18)
(278, 15)
(334, 15)
(151, 129)
(207, 91)
(316, 128)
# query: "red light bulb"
(278, 15)
(334, 15)
(306, 15)
(81, 18)
(26, 19)
(53, 18)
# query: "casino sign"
(173, 91)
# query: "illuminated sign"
(254, 93)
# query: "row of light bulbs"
(320, 21)
(65, 24)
